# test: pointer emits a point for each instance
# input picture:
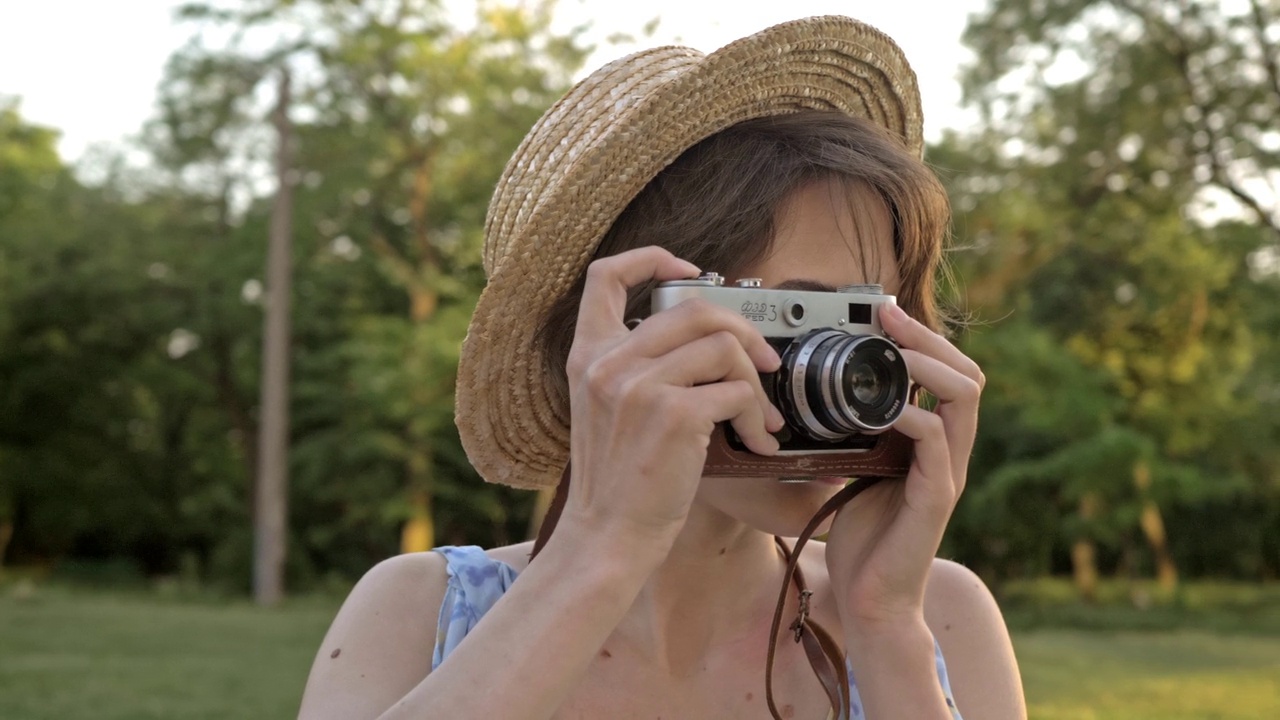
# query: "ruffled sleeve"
(476, 582)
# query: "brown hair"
(717, 204)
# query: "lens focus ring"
(833, 384)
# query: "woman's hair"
(716, 206)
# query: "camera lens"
(868, 381)
(866, 378)
(833, 384)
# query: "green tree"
(88, 436)
(1085, 205)
(404, 122)
(29, 169)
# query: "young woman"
(792, 157)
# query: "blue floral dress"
(476, 581)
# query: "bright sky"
(90, 67)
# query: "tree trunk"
(6, 534)
(418, 533)
(1152, 524)
(270, 522)
(1084, 564)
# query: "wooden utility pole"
(270, 516)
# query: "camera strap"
(824, 653)
(553, 514)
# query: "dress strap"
(476, 582)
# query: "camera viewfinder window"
(860, 313)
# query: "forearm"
(896, 672)
(533, 647)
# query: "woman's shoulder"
(379, 644)
(956, 602)
(411, 579)
(971, 633)
(404, 590)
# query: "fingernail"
(776, 418)
(774, 445)
(897, 312)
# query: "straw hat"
(594, 151)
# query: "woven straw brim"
(590, 155)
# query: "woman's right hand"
(644, 402)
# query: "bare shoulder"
(380, 644)
(970, 629)
(964, 617)
(956, 594)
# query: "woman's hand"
(882, 544)
(644, 402)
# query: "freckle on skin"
(722, 550)
(750, 697)
(788, 711)
(604, 653)
(335, 653)
(947, 626)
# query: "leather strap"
(822, 650)
(553, 514)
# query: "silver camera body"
(842, 380)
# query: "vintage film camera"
(842, 380)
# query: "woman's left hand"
(882, 544)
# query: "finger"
(944, 381)
(604, 297)
(958, 407)
(692, 319)
(716, 358)
(932, 457)
(910, 333)
(929, 493)
(735, 402)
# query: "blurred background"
(1114, 166)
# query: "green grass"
(69, 654)
(1079, 675)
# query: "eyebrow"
(801, 284)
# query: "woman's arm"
(644, 405)
(881, 550)
(521, 661)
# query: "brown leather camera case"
(891, 457)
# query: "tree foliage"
(404, 122)
(1132, 334)
(1117, 248)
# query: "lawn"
(72, 656)
(1087, 675)
(69, 655)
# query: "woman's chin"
(778, 507)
